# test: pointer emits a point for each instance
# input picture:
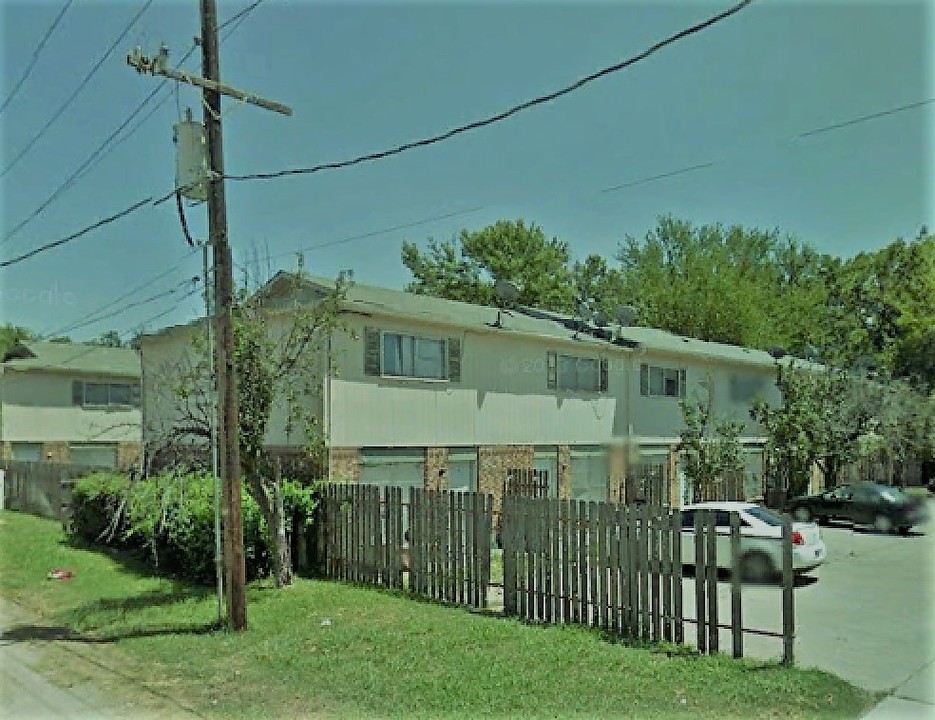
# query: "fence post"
(700, 604)
(788, 600)
(711, 573)
(736, 614)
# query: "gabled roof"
(521, 320)
(74, 358)
(287, 288)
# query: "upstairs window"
(105, 394)
(662, 381)
(568, 372)
(400, 355)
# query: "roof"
(74, 358)
(522, 320)
(285, 288)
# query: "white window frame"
(415, 340)
(655, 381)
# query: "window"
(744, 388)
(410, 356)
(662, 382)
(567, 372)
(102, 393)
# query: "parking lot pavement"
(866, 615)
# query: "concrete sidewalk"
(913, 700)
(42, 677)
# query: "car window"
(688, 519)
(722, 518)
(842, 493)
(764, 515)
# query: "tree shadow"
(52, 633)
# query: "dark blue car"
(885, 508)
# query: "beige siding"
(502, 398)
(38, 406)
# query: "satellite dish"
(584, 312)
(625, 314)
(506, 291)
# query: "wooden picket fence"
(616, 567)
(619, 568)
(567, 561)
(437, 545)
(450, 539)
(40, 488)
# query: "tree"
(13, 335)
(824, 414)
(467, 268)
(111, 338)
(711, 447)
(882, 308)
(277, 369)
(725, 284)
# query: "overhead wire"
(87, 78)
(129, 293)
(110, 143)
(498, 117)
(35, 55)
(76, 235)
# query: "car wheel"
(756, 567)
(903, 530)
(882, 524)
(802, 514)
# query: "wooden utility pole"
(228, 435)
(228, 407)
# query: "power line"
(87, 78)
(239, 17)
(542, 99)
(35, 55)
(124, 296)
(130, 306)
(109, 143)
(74, 236)
(866, 118)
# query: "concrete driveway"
(868, 615)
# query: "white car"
(760, 540)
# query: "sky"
(367, 76)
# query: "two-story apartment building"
(431, 392)
(70, 403)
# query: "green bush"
(171, 519)
(97, 514)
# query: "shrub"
(97, 501)
(171, 519)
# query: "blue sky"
(363, 77)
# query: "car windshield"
(767, 516)
(894, 495)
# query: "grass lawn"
(330, 650)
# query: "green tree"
(710, 445)
(882, 308)
(12, 335)
(825, 412)
(111, 338)
(725, 284)
(466, 268)
(274, 369)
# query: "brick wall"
(617, 471)
(128, 455)
(493, 461)
(436, 466)
(345, 464)
(6, 450)
(56, 452)
(564, 471)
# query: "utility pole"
(227, 419)
(228, 435)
